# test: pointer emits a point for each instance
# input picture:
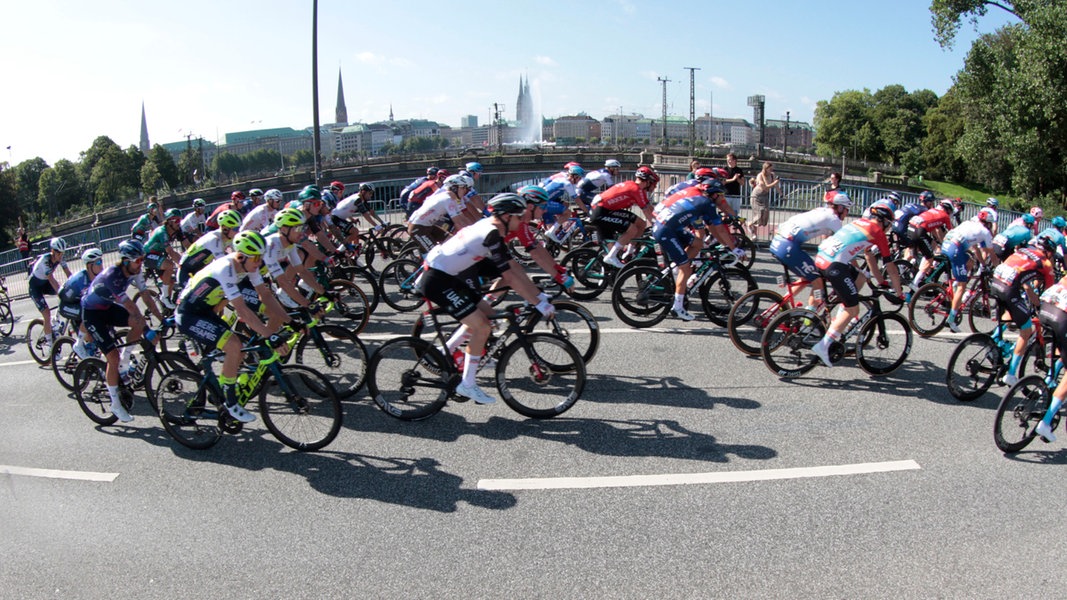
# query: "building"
(468, 122)
(570, 129)
(797, 134)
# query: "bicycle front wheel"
(189, 409)
(300, 408)
(90, 389)
(973, 366)
(340, 356)
(749, 317)
(40, 349)
(351, 303)
(1019, 412)
(410, 379)
(540, 375)
(397, 283)
(7, 319)
(928, 309)
(788, 340)
(884, 344)
(572, 322)
(719, 293)
(591, 275)
(642, 296)
(982, 312)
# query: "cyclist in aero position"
(70, 296)
(974, 233)
(1036, 213)
(450, 280)
(560, 192)
(431, 174)
(192, 225)
(787, 244)
(714, 224)
(208, 247)
(43, 281)
(146, 223)
(677, 219)
(1053, 315)
(1013, 286)
(904, 216)
(924, 230)
(161, 255)
(282, 261)
(1014, 236)
(263, 215)
(214, 286)
(611, 211)
(536, 199)
(356, 205)
(428, 188)
(835, 261)
(447, 202)
(105, 306)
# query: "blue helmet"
(474, 167)
(131, 249)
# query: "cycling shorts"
(427, 236)
(1054, 321)
(612, 223)
(793, 257)
(673, 242)
(552, 210)
(101, 324)
(1012, 297)
(957, 257)
(39, 288)
(344, 225)
(71, 311)
(207, 329)
(842, 277)
(456, 296)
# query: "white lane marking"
(57, 474)
(556, 483)
(18, 362)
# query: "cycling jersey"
(904, 216)
(1056, 295)
(468, 248)
(424, 191)
(1057, 238)
(687, 208)
(593, 183)
(434, 210)
(1024, 262)
(143, 225)
(260, 217)
(1019, 221)
(411, 187)
(959, 240)
(850, 241)
(350, 207)
(205, 249)
(70, 294)
(622, 196)
(278, 256)
(1014, 236)
(192, 225)
(109, 288)
(43, 267)
(212, 222)
(559, 190)
(931, 220)
(215, 283)
(814, 223)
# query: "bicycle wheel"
(90, 389)
(397, 283)
(574, 323)
(884, 344)
(35, 341)
(410, 379)
(719, 292)
(351, 304)
(905, 268)
(981, 312)
(188, 409)
(338, 354)
(973, 367)
(928, 309)
(7, 319)
(741, 240)
(365, 281)
(643, 296)
(1019, 412)
(64, 361)
(379, 252)
(159, 364)
(591, 275)
(788, 340)
(749, 317)
(1037, 359)
(540, 375)
(300, 408)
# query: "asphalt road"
(924, 506)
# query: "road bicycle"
(7, 316)
(332, 350)
(981, 359)
(297, 403)
(538, 375)
(1025, 405)
(752, 312)
(882, 339)
(39, 346)
(592, 276)
(929, 306)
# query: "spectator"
(732, 182)
(835, 186)
(22, 242)
(762, 185)
(693, 166)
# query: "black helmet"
(507, 204)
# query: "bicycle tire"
(981, 311)
(35, 342)
(364, 280)
(90, 390)
(1019, 412)
(572, 322)
(975, 364)
(540, 375)
(741, 240)
(928, 309)
(159, 365)
(189, 409)
(64, 361)
(788, 340)
(591, 275)
(379, 252)
(7, 319)
(409, 379)
(307, 416)
(643, 296)
(351, 304)
(719, 292)
(876, 347)
(342, 359)
(749, 317)
(397, 284)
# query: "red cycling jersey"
(929, 220)
(621, 196)
(1022, 261)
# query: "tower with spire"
(342, 111)
(524, 104)
(145, 146)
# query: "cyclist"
(904, 216)
(161, 256)
(835, 261)
(725, 211)
(282, 261)
(677, 219)
(994, 204)
(429, 187)
(787, 244)
(105, 306)
(451, 274)
(976, 234)
(254, 199)
(70, 297)
(356, 205)
(560, 192)
(333, 193)
(236, 203)
(208, 247)
(1053, 315)
(43, 281)
(924, 230)
(146, 223)
(475, 207)
(263, 215)
(1035, 212)
(1014, 236)
(221, 283)
(597, 181)
(431, 173)
(309, 201)
(423, 225)
(192, 225)
(536, 198)
(1013, 287)
(611, 211)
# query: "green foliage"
(9, 206)
(944, 126)
(164, 164)
(59, 188)
(27, 174)
(946, 15)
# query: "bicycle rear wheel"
(36, 342)
(64, 361)
(928, 309)
(7, 319)
(720, 291)
(642, 296)
(90, 389)
(410, 379)
(540, 375)
(1019, 412)
(188, 409)
(973, 367)
(351, 304)
(788, 340)
(591, 275)
(982, 312)
(884, 344)
(365, 281)
(572, 322)
(749, 317)
(300, 408)
(159, 365)
(341, 357)
(397, 283)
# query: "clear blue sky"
(74, 70)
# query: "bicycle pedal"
(836, 352)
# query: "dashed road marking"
(58, 474)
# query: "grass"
(974, 195)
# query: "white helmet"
(58, 244)
(273, 194)
(841, 199)
(92, 255)
(611, 162)
(454, 181)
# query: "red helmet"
(647, 174)
(720, 172)
(337, 185)
(442, 174)
(238, 195)
(703, 172)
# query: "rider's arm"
(517, 279)
(249, 317)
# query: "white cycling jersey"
(276, 252)
(968, 234)
(469, 246)
(44, 266)
(193, 224)
(435, 208)
(348, 208)
(260, 217)
(810, 224)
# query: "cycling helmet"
(1037, 212)
(646, 174)
(507, 204)
(895, 197)
(255, 192)
(310, 192)
(841, 199)
(230, 219)
(1029, 220)
(442, 174)
(238, 195)
(712, 186)
(131, 249)
(926, 197)
(571, 164)
(474, 167)
(455, 181)
(611, 163)
(947, 206)
(366, 187)
(1059, 222)
(992, 202)
(431, 171)
(289, 217)
(703, 172)
(720, 172)
(273, 195)
(249, 243)
(1044, 242)
(986, 215)
(172, 213)
(58, 244)
(92, 255)
(338, 186)
(534, 194)
(151, 206)
(881, 211)
(199, 203)
(575, 170)
(888, 202)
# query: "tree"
(944, 126)
(112, 177)
(59, 188)
(164, 165)
(945, 15)
(838, 123)
(9, 205)
(151, 180)
(27, 175)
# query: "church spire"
(342, 111)
(145, 146)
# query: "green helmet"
(199, 203)
(173, 213)
(289, 217)
(230, 219)
(249, 243)
(310, 192)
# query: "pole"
(315, 87)
(692, 108)
(785, 135)
(664, 81)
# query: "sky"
(75, 70)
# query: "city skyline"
(204, 69)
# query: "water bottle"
(192, 351)
(150, 335)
